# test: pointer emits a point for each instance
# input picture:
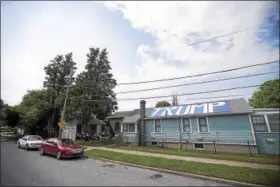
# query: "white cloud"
(174, 24)
(58, 30)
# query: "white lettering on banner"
(199, 106)
(212, 105)
(169, 110)
(155, 111)
(179, 110)
(191, 109)
(187, 111)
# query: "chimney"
(142, 108)
(142, 123)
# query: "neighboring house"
(95, 126)
(116, 119)
(232, 124)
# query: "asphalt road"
(28, 168)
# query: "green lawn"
(94, 143)
(262, 159)
(242, 174)
(4, 138)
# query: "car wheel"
(18, 145)
(26, 147)
(42, 151)
(58, 155)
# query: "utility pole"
(65, 101)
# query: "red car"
(61, 148)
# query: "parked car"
(30, 142)
(61, 148)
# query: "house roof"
(135, 116)
(120, 114)
(233, 106)
(95, 121)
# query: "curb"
(180, 173)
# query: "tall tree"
(268, 95)
(93, 89)
(175, 100)
(162, 104)
(56, 80)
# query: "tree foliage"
(268, 95)
(33, 103)
(3, 112)
(58, 74)
(93, 92)
(162, 104)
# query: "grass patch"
(242, 174)
(8, 138)
(261, 159)
(4, 138)
(95, 143)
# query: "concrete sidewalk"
(194, 159)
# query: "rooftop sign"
(192, 109)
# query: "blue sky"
(145, 41)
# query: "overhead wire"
(194, 83)
(220, 36)
(193, 93)
(203, 74)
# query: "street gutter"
(180, 173)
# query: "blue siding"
(229, 128)
(264, 146)
(230, 123)
(170, 129)
(149, 127)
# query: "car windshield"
(66, 142)
(34, 138)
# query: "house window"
(273, 121)
(259, 123)
(202, 123)
(117, 127)
(158, 126)
(198, 146)
(129, 127)
(186, 125)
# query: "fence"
(200, 144)
(127, 139)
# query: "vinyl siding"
(230, 128)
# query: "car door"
(47, 146)
(23, 141)
(53, 147)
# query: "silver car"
(30, 142)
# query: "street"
(28, 168)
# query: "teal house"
(224, 126)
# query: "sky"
(146, 41)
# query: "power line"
(198, 75)
(216, 37)
(107, 101)
(222, 96)
(194, 93)
(92, 100)
(202, 82)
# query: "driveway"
(28, 168)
